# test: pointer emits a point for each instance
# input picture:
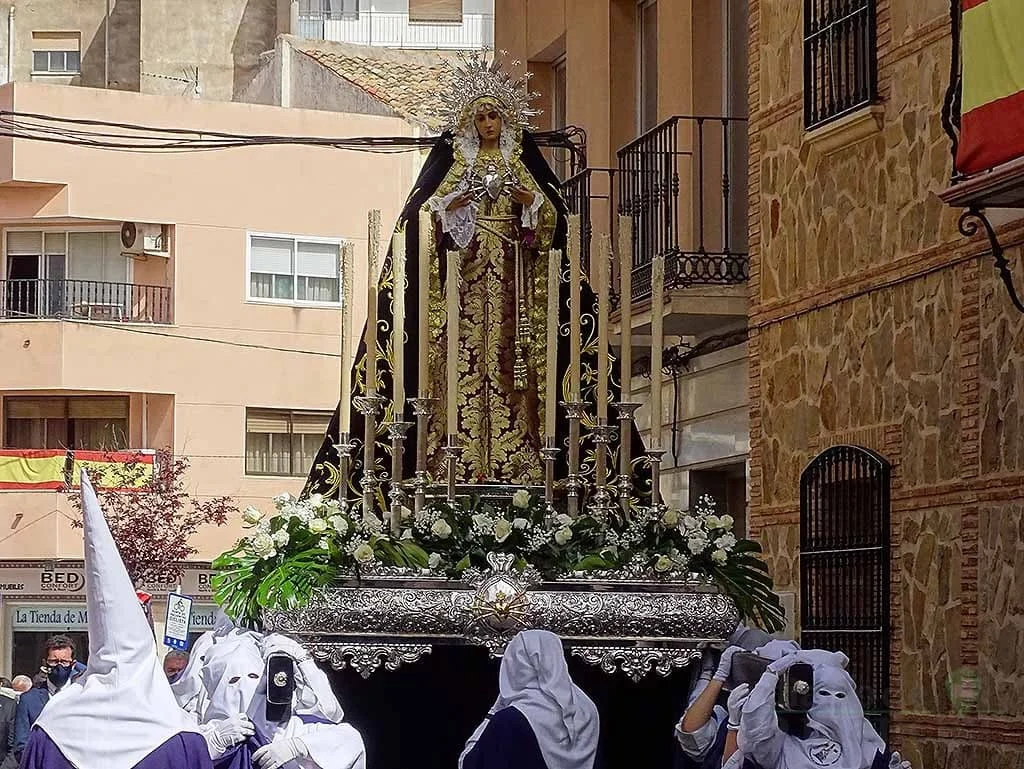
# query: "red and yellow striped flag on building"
(992, 101)
(53, 469)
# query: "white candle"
(574, 309)
(603, 302)
(423, 299)
(657, 345)
(345, 286)
(452, 294)
(551, 385)
(398, 326)
(372, 253)
(625, 304)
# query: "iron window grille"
(845, 567)
(840, 59)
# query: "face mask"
(59, 675)
(173, 677)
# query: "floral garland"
(313, 543)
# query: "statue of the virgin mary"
(492, 198)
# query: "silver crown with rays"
(478, 75)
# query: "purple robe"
(186, 750)
(508, 742)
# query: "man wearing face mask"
(174, 663)
(61, 669)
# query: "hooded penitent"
(838, 735)
(188, 689)
(534, 679)
(121, 710)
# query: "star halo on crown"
(474, 77)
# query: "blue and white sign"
(179, 617)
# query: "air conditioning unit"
(140, 239)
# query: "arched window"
(844, 567)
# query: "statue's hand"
(522, 197)
(460, 201)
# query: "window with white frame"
(56, 53)
(282, 441)
(293, 269)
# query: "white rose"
(323, 544)
(563, 535)
(663, 564)
(484, 522)
(262, 544)
(372, 523)
(339, 523)
(364, 553)
(441, 529)
(719, 556)
(712, 522)
(725, 542)
(520, 523)
(727, 521)
(434, 560)
(689, 522)
(281, 537)
(252, 515)
(282, 499)
(563, 520)
(316, 499)
(696, 545)
(670, 519)
(318, 525)
(521, 499)
(502, 529)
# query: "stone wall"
(875, 323)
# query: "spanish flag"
(992, 100)
(56, 469)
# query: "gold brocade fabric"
(499, 425)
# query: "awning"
(992, 101)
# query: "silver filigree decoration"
(635, 661)
(366, 659)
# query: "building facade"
(660, 90)
(887, 479)
(185, 300)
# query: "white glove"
(221, 736)
(735, 703)
(897, 762)
(725, 664)
(282, 643)
(783, 664)
(279, 753)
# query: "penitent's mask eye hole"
(234, 679)
(254, 675)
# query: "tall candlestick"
(603, 301)
(551, 385)
(625, 305)
(657, 345)
(372, 254)
(345, 276)
(423, 298)
(574, 306)
(398, 327)
(452, 295)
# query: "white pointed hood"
(122, 708)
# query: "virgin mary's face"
(488, 124)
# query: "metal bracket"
(968, 226)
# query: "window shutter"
(435, 10)
(34, 408)
(266, 422)
(317, 260)
(29, 243)
(271, 255)
(311, 424)
(98, 408)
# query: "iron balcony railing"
(684, 185)
(840, 59)
(322, 21)
(85, 300)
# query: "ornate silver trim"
(365, 659)
(634, 625)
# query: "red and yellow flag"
(47, 469)
(992, 101)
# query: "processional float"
(391, 558)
